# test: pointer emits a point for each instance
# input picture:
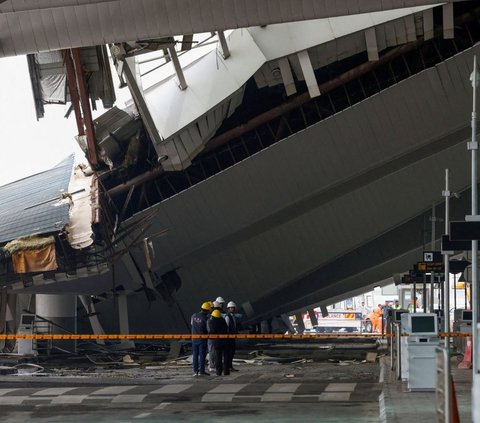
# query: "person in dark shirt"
(199, 345)
(218, 326)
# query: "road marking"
(227, 388)
(69, 399)
(12, 400)
(283, 388)
(276, 397)
(162, 405)
(218, 397)
(334, 396)
(340, 387)
(6, 391)
(142, 415)
(52, 391)
(171, 389)
(129, 398)
(112, 390)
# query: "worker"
(232, 325)
(211, 351)
(221, 304)
(413, 306)
(396, 305)
(363, 309)
(218, 326)
(377, 319)
(385, 311)
(199, 345)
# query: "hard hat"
(220, 300)
(206, 306)
(231, 304)
(216, 304)
(211, 305)
(216, 313)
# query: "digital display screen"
(467, 315)
(398, 315)
(423, 324)
(27, 320)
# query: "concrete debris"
(371, 357)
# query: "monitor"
(423, 325)
(420, 324)
(27, 319)
(467, 315)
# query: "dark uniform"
(232, 326)
(218, 326)
(199, 346)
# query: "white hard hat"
(216, 304)
(231, 304)
(220, 300)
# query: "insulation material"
(79, 228)
(35, 260)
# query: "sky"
(29, 146)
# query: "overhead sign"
(464, 231)
(450, 245)
(458, 266)
(428, 267)
(432, 256)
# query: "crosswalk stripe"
(12, 400)
(172, 389)
(340, 387)
(227, 388)
(112, 390)
(6, 391)
(283, 388)
(218, 397)
(276, 397)
(69, 399)
(52, 391)
(129, 398)
(141, 415)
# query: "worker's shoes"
(233, 370)
(195, 374)
(204, 374)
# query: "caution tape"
(113, 337)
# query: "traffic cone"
(454, 411)
(467, 356)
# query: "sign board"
(464, 231)
(428, 267)
(432, 256)
(449, 245)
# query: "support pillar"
(299, 321)
(313, 317)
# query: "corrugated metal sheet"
(31, 205)
(32, 26)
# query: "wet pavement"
(306, 392)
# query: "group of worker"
(380, 315)
(214, 320)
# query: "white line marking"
(334, 396)
(129, 398)
(142, 415)
(283, 388)
(276, 397)
(227, 388)
(6, 391)
(112, 390)
(12, 400)
(162, 405)
(217, 397)
(69, 399)
(52, 391)
(171, 389)
(340, 387)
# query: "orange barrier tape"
(70, 337)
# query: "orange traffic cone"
(467, 356)
(454, 411)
